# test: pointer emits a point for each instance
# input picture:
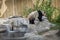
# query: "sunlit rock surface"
(51, 35)
(32, 31)
(32, 36)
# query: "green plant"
(47, 7)
(26, 11)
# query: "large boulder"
(2, 28)
(19, 21)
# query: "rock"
(58, 33)
(17, 21)
(31, 36)
(51, 35)
(31, 29)
(40, 26)
(2, 28)
(43, 26)
(23, 28)
(52, 32)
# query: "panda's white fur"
(33, 14)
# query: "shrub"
(47, 7)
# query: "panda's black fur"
(31, 21)
(40, 15)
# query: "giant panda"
(35, 15)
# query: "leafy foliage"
(27, 11)
(47, 7)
